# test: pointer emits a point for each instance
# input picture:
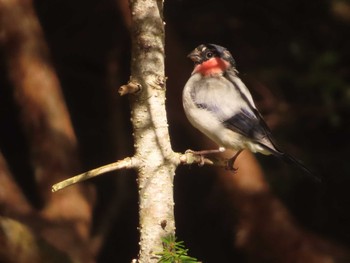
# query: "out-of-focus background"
(294, 56)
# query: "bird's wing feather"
(247, 124)
(242, 118)
(249, 121)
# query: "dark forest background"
(294, 57)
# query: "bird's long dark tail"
(293, 161)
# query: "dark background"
(294, 57)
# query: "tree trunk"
(152, 143)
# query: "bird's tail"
(293, 161)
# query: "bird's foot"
(231, 162)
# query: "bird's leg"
(202, 153)
(232, 160)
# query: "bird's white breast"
(219, 93)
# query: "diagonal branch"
(186, 158)
(127, 163)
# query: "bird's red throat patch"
(211, 66)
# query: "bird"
(219, 104)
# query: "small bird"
(219, 104)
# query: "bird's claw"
(231, 162)
(229, 165)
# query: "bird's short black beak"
(195, 56)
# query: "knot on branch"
(131, 87)
(156, 81)
(160, 81)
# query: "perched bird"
(217, 103)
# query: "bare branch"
(189, 158)
(131, 87)
(127, 163)
(132, 162)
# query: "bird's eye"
(209, 55)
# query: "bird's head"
(211, 59)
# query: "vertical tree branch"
(152, 143)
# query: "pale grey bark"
(152, 143)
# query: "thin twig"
(190, 157)
(127, 163)
(131, 87)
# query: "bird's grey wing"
(229, 100)
(251, 125)
(247, 124)
(248, 120)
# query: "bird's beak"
(195, 56)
